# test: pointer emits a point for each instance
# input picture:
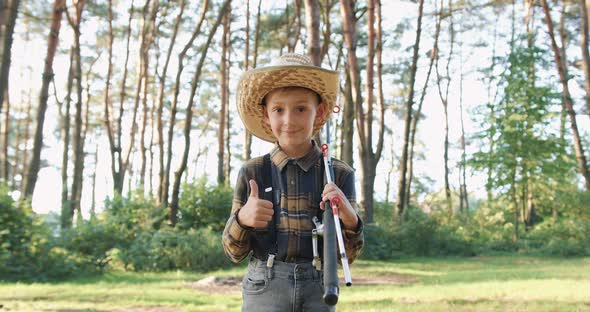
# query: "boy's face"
(292, 113)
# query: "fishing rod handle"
(331, 289)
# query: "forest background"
(467, 121)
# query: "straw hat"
(289, 70)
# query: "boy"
(277, 196)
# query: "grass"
(499, 283)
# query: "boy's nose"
(289, 117)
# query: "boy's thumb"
(253, 188)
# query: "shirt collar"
(280, 158)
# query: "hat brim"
(256, 83)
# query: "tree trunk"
(584, 4)
(4, 130)
(347, 128)
(224, 100)
(228, 124)
(27, 135)
(325, 9)
(401, 198)
(8, 14)
(189, 113)
(247, 135)
(354, 107)
(78, 148)
(161, 92)
(463, 196)
(444, 99)
(292, 40)
(32, 172)
(312, 24)
(66, 207)
(93, 200)
(416, 117)
(491, 106)
(146, 82)
(108, 107)
(514, 205)
(579, 150)
(119, 173)
(173, 108)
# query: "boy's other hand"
(345, 210)
(256, 212)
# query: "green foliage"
(563, 238)
(419, 234)
(28, 249)
(175, 249)
(91, 242)
(146, 243)
(16, 238)
(202, 206)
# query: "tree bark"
(189, 114)
(173, 108)
(408, 118)
(66, 207)
(354, 99)
(228, 154)
(144, 98)
(463, 197)
(416, 116)
(325, 9)
(78, 148)
(8, 14)
(247, 135)
(116, 150)
(579, 150)
(108, 107)
(584, 4)
(221, 178)
(32, 172)
(347, 128)
(312, 24)
(4, 130)
(161, 92)
(444, 99)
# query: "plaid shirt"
(299, 203)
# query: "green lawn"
(502, 283)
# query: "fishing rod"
(332, 233)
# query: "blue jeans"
(284, 287)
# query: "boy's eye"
(301, 109)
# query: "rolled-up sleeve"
(353, 239)
(236, 238)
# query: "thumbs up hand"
(256, 212)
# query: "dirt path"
(213, 284)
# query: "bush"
(562, 238)
(174, 249)
(28, 250)
(17, 239)
(204, 206)
(90, 242)
(381, 243)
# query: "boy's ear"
(265, 114)
(321, 112)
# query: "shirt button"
(292, 182)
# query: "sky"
(48, 190)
